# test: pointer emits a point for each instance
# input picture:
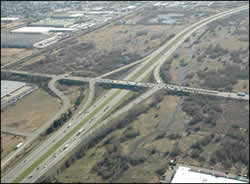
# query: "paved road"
(73, 141)
(150, 85)
(13, 131)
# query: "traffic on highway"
(100, 108)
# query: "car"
(30, 176)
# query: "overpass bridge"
(170, 87)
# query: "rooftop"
(7, 87)
(9, 18)
(186, 175)
(41, 30)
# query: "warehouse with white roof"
(8, 87)
(186, 175)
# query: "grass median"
(59, 143)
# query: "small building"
(67, 16)
(131, 7)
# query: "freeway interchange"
(67, 138)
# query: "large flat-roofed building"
(9, 19)
(41, 30)
(12, 91)
(180, 173)
(8, 87)
(187, 175)
(13, 40)
(33, 30)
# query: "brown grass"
(31, 112)
(12, 54)
(8, 142)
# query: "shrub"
(160, 171)
(174, 136)
(175, 151)
(141, 33)
(160, 136)
(206, 140)
(195, 154)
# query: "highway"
(36, 133)
(112, 98)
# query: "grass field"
(12, 54)
(72, 92)
(8, 143)
(30, 112)
(225, 37)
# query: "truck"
(65, 147)
(19, 145)
(79, 132)
(240, 94)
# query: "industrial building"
(67, 16)
(8, 87)
(9, 19)
(41, 30)
(32, 30)
(13, 40)
(12, 91)
(187, 175)
(180, 173)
